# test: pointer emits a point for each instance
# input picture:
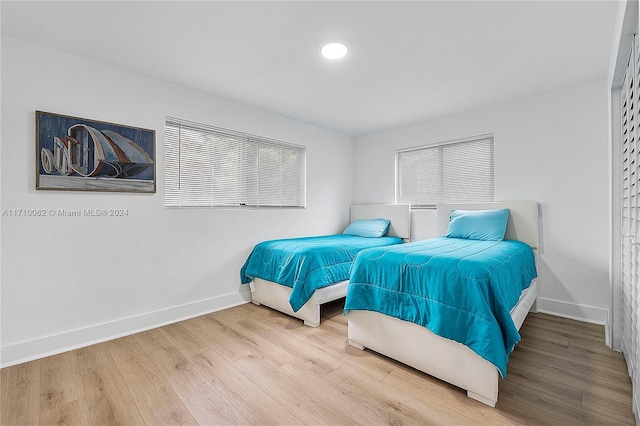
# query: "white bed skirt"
(276, 296)
(445, 359)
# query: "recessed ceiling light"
(334, 50)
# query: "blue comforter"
(307, 264)
(459, 289)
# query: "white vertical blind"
(211, 167)
(456, 171)
(630, 253)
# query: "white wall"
(551, 148)
(70, 281)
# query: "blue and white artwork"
(88, 155)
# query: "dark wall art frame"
(78, 154)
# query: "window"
(456, 171)
(212, 167)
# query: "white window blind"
(456, 171)
(212, 167)
(630, 250)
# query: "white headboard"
(398, 214)
(523, 218)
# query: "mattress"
(308, 263)
(459, 289)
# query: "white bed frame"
(446, 359)
(276, 296)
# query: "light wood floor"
(252, 365)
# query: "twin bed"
(479, 292)
(446, 359)
(280, 272)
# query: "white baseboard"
(18, 353)
(573, 311)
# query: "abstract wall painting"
(77, 154)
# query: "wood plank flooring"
(253, 365)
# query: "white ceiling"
(408, 61)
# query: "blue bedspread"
(460, 289)
(307, 264)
